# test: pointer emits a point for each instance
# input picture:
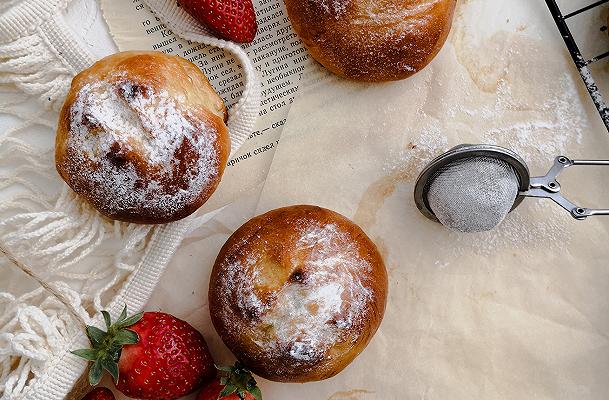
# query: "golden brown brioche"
(297, 293)
(372, 40)
(142, 137)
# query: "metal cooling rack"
(581, 63)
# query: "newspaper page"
(277, 53)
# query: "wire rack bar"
(597, 58)
(581, 10)
(580, 62)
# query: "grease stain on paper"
(355, 394)
(412, 160)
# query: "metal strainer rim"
(468, 151)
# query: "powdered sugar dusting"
(334, 7)
(409, 160)
(308, 317)
(296, 327)
(138, 148)
(539, 139)
(397, 23)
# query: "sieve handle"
(548, 187)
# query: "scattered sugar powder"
(397, 13)
(558, 125)
(334, 7)
(409, 160)
(540, 224)
(136, 148)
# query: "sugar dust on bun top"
(372, 40)
(297, 293)
(142, 137)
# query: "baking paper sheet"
(518, 313)
(521, 312)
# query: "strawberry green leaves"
(238, 380)
(107, 345)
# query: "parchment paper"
(521, 312)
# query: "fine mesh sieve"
(473, 194)
(471, 188)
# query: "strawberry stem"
(107, 345)
(238, 380)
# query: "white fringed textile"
(92, 262)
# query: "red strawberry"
(158, 357)
(236, 383)
(232, 19)
(100, 393)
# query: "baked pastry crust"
(297, 293)
(372, 40)
(142, 137)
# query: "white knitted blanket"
(91, 263)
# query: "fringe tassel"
(31, 335)
(31, 66)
